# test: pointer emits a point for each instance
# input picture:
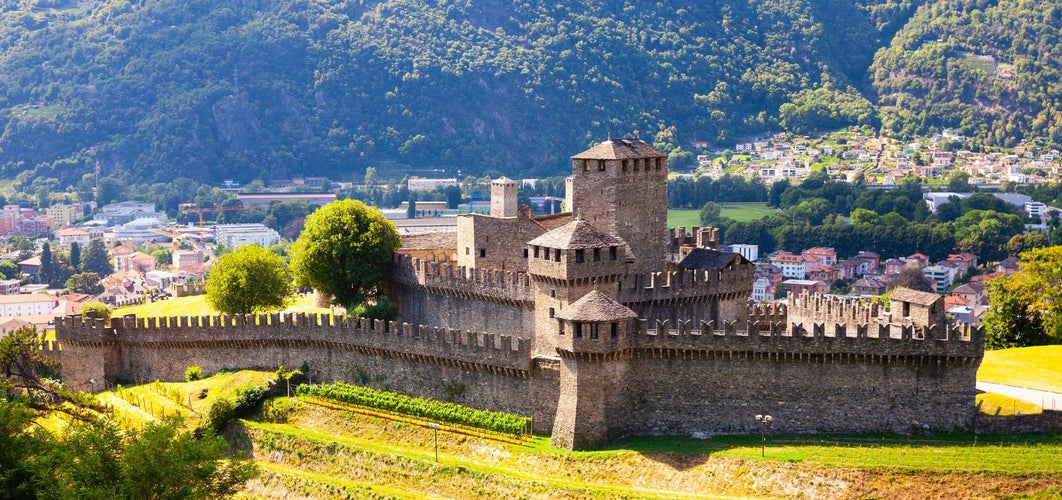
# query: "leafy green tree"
(49, 269)
(9, 270)
(251, 279)
(110, 190)
(912, 277)
(1025, 308)
(96, 259)
(162, 257)
(710, 213)
(88, 283)
(20, 358)
(23, 245)
(959, 181)
(345, 251)
(986, 232)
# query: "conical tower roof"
(596, 307)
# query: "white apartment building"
(238, 235)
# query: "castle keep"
(598, 323)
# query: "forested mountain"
(151, 90)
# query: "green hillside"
(154, 90)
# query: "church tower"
(620, 186)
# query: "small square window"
(525, 253)
(601, 165)
(468, 251)
(586, 165)
(611, 253)
(551, 312)
(597, 254)
(536, 251)
(556, 255)
(482, 252)
(553, 295)
(580, 255)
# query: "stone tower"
(503, 195)
(565, 264)
(620, 186)
(593, 372)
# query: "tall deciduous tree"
(75, 256)
(345, 251)
(248, 280)
(1026, 307)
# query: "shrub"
(193, 373)
(220, 413)
(96, 310)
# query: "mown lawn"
(742, 212)
(1038, 367)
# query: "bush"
(193, 373)
(382, 309)
(220, 413)
(96, 310)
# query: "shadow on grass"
(682, 452)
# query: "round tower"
(503, 196)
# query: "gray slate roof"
(708, 259)
(914, 296)
(576, 234)
(596, 307)
(619, 149)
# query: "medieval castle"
(598, 323)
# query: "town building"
(238, 235)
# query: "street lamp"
(764, 420)
(435, 427)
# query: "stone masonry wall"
(482, 370)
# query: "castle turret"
(592, 382)
(567, 263)
(503, 196)
(620, 186)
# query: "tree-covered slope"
(156, 89)
(990, 68)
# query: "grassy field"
(1037, 367)
(998, 404)
(311, 450)
(738, 211)
(196, 305)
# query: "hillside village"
(860, 156)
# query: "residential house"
(793, 265)
(968, 261)
(870, 286)
(973, 293)
(27, 304)
(823, 255)
(135, 261)
(70, 235)
(30, 266)
(10, 287)
(823, 272)
(871, 260)
(922, 260)
(812, 286)
(894, 266)
(186, 258)
(759, 289)
(1007, 266)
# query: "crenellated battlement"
(827, 308)
(687, 283)
(952, 341)
(299, 330)
(768, 313)
(491, 284)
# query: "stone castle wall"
(656, 377)
(482, 370)
(695, 295)
(448, 295)
(685, 379)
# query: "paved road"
(1045, 399)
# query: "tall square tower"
(620, 186)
